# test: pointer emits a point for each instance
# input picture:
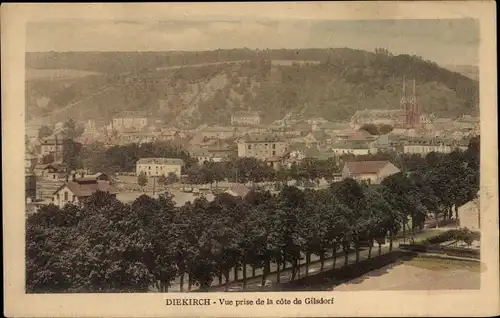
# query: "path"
(253, 283)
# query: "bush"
(465, 235)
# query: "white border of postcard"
(370, 303)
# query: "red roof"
(85, 188)
(365, 167)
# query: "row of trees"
(104, 245)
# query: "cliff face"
(331, 83)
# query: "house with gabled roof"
(371, 171)
(77, 190)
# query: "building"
(361, 136)
(90, 127)
(52, 171)
(467, 122)
(52, 145)
(129, 120)
(96, 176)
(353, 148)
(222, 132)
(423, 146)
(387, 143)
(411, 108)
(156, 167)
(331, 128)
(212, 154)
(29, 162)
(372, 171)
(390, 117)
(245, 118)
(238, 190)
(261, 146)
(77, 191)
(30, 187)
(469, 215)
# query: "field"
(56, 74)
(420, 274)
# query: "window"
(74, 198)
(274, 153)
(249, 146)
(65, 196)
(149, 167)
(274, 146)
(57, 196)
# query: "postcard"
(286, 159)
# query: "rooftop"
(377, 113)
(130, 114)
(350, 145)
(246, 113)
(239, 190)
(261, 138)
(365, 167)
(85, 188)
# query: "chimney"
(67, 177)
(74, 177)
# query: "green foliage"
(377, 129)
(106, 246)
(72, 151)
(345, 80)
(162, 179)
(142, 180)
(463, 234)
(44, 131)
(124, 158)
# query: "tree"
(142, 180)
(162, 180)
(44, 131)
(94, 248)
(384, 129)
(171, 178)
(70, 129)
(49, 158)
(370, 128)
(72, 154)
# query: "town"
(142, 163)
(375, 139)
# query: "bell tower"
(409, 106)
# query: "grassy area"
(428, 234)
(441, 264)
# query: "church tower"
(410, 108)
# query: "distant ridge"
(329, 83)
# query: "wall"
(425, 149)
(158, 169)
(59, 198)
(386, 171)
(261, 150)
(468, 215)
(127, 123)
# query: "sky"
(446, 42)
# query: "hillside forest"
(190, 88)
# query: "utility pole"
(154, 184)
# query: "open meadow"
(420, 273)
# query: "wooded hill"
(332, 83)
